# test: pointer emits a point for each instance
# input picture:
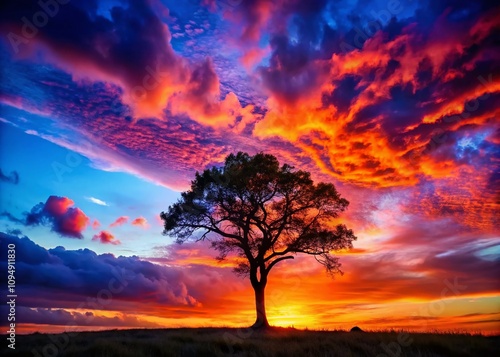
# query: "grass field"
(239, 342)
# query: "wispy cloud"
(119, 221)
(97, 201)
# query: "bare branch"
(276, 261)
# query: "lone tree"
(264, 212)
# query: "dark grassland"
(241, 342)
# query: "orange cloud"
(106, 237)
(201, 99)
(363, 144)
(151, 82)
(141, 222)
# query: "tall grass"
(278, 342)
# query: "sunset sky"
(108, 108)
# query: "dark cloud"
(345, 92)
(123, 44)
(67, 278)
(12, 178)
(12, 218)
(465, 264)
(291, 72)
(14, 232)
(60, 279)
(47, 316)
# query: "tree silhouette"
(264, 212)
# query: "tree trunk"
(260, 306)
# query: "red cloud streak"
(119, 221)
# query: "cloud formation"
(390, 109)
(131, 49)
(59, 214)
(349, 111)
(141, 222)
(46, 278)
(380, 98)
(106, 237)
(62, 317)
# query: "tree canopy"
(264, 212)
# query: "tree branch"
(276, 261)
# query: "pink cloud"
(119, 221)
(106, 237)
(96, 224)
(59, 212)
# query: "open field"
(239, 342)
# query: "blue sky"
(47, 169)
